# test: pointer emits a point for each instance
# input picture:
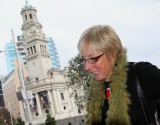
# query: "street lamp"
(28, 112)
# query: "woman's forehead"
(88, 51)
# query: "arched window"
(64, 107)
(31, 50)
(26, 17)
(30, 15)
(34, 49)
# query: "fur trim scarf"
(117, 113)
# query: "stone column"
(57, 108)
(39, 110)
(50, 102)
(68, 100)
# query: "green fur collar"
(119, 100)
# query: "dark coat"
(149, 78)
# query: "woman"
(115, 100)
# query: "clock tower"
(35, 44)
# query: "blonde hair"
(101, 38)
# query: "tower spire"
(27, 5)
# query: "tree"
(5, 118)
(76, 73)
(19, 121)
(50, 120)
(2, 122)
(78, 80)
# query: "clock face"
(30, 32)
(33, 32)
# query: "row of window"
(31, 50)
(30, 16)
(43, 48)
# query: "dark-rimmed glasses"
(91, 60)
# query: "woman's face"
(97, 63)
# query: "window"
(51, 75)
(82, 121)
(41, 48)
(79, 111)
(26, 17)
(37, 79)
(30, 15)
(31, 50)
(45, 50)
(28, 51)
(62, 96)
(23, 53)
(64, 107)
(34, 49)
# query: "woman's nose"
(87, 66)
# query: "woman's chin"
(99, 78)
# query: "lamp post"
(28, 112)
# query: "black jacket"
(149, 78)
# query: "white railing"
(39, 83)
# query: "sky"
(137, 22)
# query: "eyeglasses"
(91, 60)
